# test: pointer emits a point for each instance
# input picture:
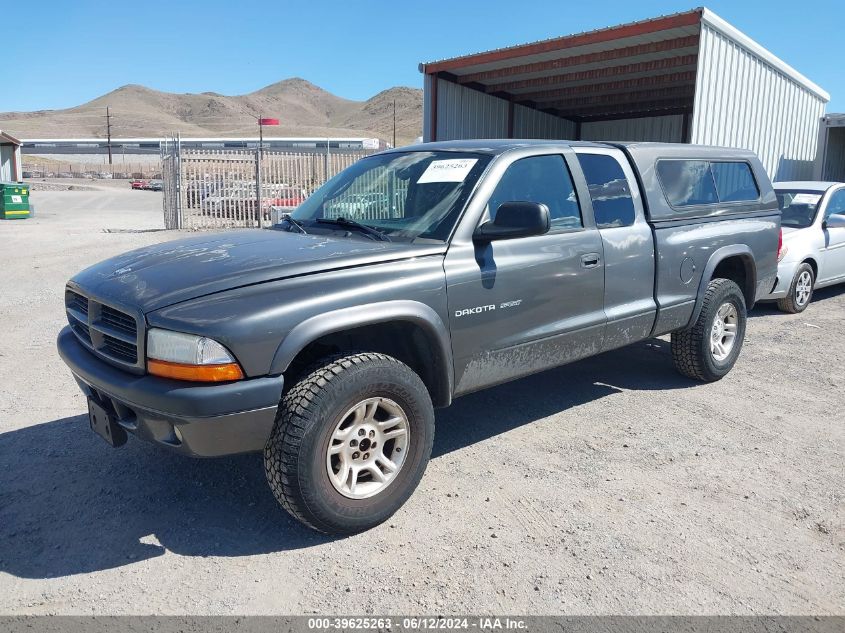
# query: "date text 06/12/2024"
(417, 623)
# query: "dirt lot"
(609, 486)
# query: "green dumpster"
(14, 201)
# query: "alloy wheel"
(723, 331)
(803, 288)
(367, 448)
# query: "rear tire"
(708, 350)
(351, 442)
(800, 291)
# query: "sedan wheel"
(804, 288)
(800, 291)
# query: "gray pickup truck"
(414, 277)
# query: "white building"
(688, 77)
(10, 158)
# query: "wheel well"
(403, 340)
(739, 270)
(813, 265)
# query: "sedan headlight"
(189, 357)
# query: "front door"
(832, 265)
(518, 306)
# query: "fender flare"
(334, 321)
(716, 258)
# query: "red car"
(138, 184)
(288, 197)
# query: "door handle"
(590, 260)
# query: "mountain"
(302, 108)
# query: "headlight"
(189, 357)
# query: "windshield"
(405, 196)
(797, 208)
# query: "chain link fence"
(209, 189)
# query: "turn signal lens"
(198, 373)
(189, 357)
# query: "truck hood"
(157, 276)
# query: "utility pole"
(259, 213)
(394, 123)
(108, 131)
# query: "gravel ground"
(609, 486)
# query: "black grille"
(118, 320)
(107, 331)
(81, 330)
(77, 302)
(120, 349)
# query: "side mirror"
(515, 219)
(835, 221)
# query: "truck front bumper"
(202, 420)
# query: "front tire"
(708, 350)
(800, 291)
(351, 442)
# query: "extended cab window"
(543, 179)
(734, 181)
(687, 182)
(610, 192)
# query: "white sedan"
(813, 251)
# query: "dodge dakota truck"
(414, 277)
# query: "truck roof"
(499, 146)
(490, 146)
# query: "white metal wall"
(464, 113)
(428, 91)
(744, 101)
(530, 123)
(6, 158)
(666, 129)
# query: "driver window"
(543, 179)
(836, 204)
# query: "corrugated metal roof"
(642, 66)
(632, 69)
(563, 42)
(9, 138)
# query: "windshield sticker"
(806, 198)
(455, 170)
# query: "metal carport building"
(689, 77)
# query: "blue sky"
(70, 52)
